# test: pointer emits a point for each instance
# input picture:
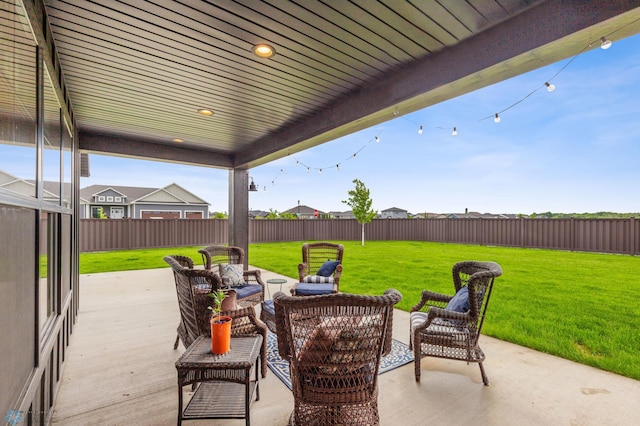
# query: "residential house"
(257, 214)
(306, 212)
(119, 202)
(342, 215)
(393, 213)
(27, 187)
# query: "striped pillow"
(317, 279)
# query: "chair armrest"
(436, 312)
(429, 299)
(336, 276)
(303, 270)
(253, 276)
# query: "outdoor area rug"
(400, 355)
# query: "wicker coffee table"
(225, 386)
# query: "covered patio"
(120, 370)
(185, 82)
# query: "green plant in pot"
(220, 325)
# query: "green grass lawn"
(579, 306)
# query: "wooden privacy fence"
(593, 235)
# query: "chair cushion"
(231, 274)
(327, 268)
(308, 289)
(318, 279)
(459, 302)
(269, 308)
(247, 290)
(417, 318)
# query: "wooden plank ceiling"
(137, 71)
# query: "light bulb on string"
(420, 130)
(320, 171)
(605, 43)
(273, 183)
(297, 163)
(455, 132)
(338, 167)
(377, 139)
(281, 171)
(550, 87)
(497, 118)
(308, 169)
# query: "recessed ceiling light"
(205, 112)
(263, 50)
(178, 140)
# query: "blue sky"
(573, 150)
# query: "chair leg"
(485, 379)
(175, 345)
(416, 356)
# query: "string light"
(605, 44)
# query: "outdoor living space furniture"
(223, 384)
(334, 343)
(193, 287)
(320, 270)
(228, 261)
(446, 326)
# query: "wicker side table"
(226, 388)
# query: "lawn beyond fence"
(579, 306)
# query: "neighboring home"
(342, 215)
(254, 214)
(27, 187)
(393, 213)
(306, 212)
(119, 202)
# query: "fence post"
(632, 236)
(572, 234)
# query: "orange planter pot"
(220, 335)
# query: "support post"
(239, 211)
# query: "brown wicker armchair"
(449, 326)
(249, 294)
(334, 344)
(193, 287)
(314, 256)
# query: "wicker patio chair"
(316, 258)
(334, 343)
(251, 290)
(449, 326)
(193, 287)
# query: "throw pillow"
(317, 279)
(459, 302)
(231, 274)
(327, 268)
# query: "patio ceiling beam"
(543, 34)
(149, 149)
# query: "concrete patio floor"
(119, 370)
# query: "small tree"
(360, 203)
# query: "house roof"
(302, 209)
(395, 209)
(172, 193)
(135, 76)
